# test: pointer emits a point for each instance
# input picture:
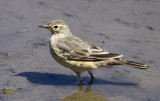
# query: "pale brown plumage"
(79, 55)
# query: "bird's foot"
(80, 83)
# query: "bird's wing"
(73, 48)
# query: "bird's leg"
(92, 77)
(79, 78)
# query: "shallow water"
(119, 26)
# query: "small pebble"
(23, 30)
(149, 28)
(68, 14)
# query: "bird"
(79, 55)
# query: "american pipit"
(79, 55)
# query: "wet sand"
(129, 27)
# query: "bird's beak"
(44, 26)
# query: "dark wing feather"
(110, 55)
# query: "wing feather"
(73, 48)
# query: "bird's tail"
(136, 65)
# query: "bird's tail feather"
(136, 65)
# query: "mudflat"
(127, 27)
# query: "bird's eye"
(55, 27)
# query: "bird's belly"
(77, 66)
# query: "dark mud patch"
(134, 25)
(129, 24)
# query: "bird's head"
(57, 27)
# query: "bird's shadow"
(64, 80)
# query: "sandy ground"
(130, 27)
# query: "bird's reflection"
(85, 95)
